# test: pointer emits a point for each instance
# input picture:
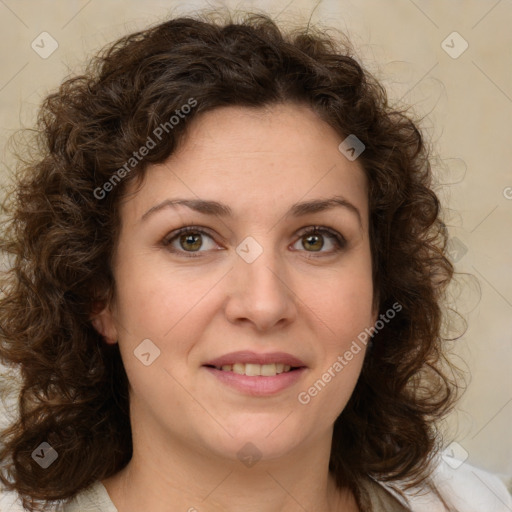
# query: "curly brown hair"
(62, 227)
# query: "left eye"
(314, 240)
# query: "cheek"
(171, 310)
(343, 315)
(152, 299)
(343, 305)
(343, 310)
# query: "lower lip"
(258, 385)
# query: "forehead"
(255, 158)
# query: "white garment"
(466, 488)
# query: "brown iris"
(194, 239)
(315, 241)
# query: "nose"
(260, 293)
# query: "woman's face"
(250, 283)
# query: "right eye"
(188, 240)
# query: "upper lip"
(248, 357)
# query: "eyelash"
(339, 241)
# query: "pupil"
(311, 239)
(193, 239)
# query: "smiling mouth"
(256, 370)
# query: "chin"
(256, 438)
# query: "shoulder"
(93, 499)
(464, 487)
(9, 501)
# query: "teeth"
(253, 370)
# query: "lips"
(248, 357)
(256, 374)
(257, 386)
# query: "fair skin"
(298, 296)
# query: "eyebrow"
(208, 207)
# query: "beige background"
(468, 103)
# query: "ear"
(104, 322)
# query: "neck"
(196, 480)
